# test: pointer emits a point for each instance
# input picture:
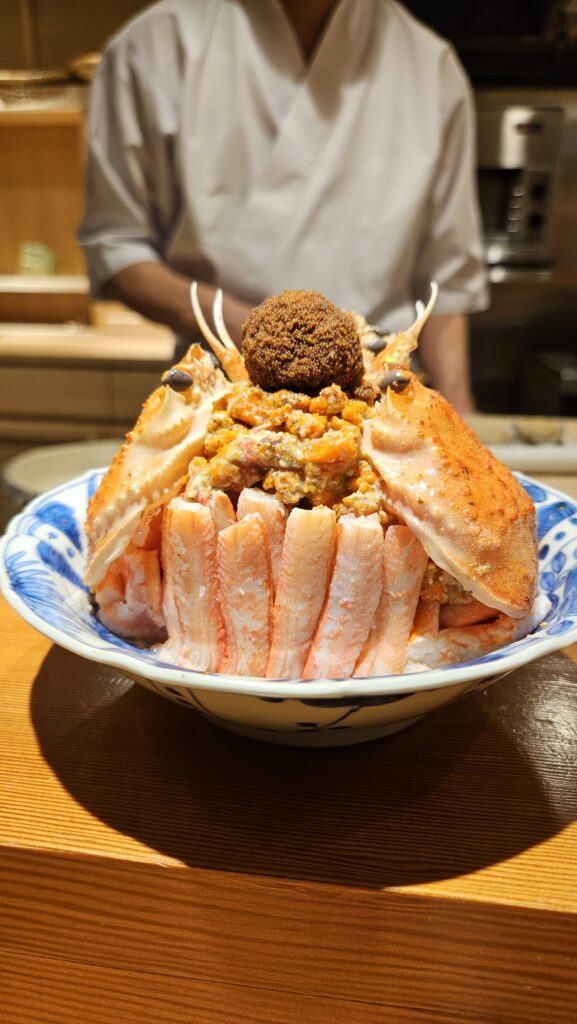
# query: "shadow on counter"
(475, 783)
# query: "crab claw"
(471, 515)
(148, 470)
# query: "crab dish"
(310, 510)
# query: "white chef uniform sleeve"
(451, 250)
(119, 227)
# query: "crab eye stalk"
(396, 380)
(178, 380)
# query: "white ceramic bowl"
(41, 569)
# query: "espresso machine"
(518, 163)
(524, 348)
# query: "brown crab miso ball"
(300, 341)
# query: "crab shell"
(471, 515)
(151, 466)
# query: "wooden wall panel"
(11, 41)
(67, 28)
(46, 393)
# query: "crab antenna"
(219, 322)
(424, 312)
(227, 354)
(216, 345)
(398, 351)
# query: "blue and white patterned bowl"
(41, 569)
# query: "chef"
(258, 145)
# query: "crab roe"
(305, 450)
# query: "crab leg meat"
(426, 619)
(405, 562)
(148, 533)
(246, 595)
(305, 568)
(352, 600)
(191, 604)
(222, 510)
(274, 517)
(458, 644)
(199, 488)
(465, 614)
(130, 596)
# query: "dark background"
(499, 42)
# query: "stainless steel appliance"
(533, 270)
(518, 158)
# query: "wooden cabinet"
(41, 185)
(41, 201)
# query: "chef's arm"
(161, 294)
(444, 355)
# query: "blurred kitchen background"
(72, 370)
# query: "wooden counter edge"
(94, 994)
(63, 989)
(320, 940)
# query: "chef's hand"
(444, 355)
(163, 295)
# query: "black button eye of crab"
(396, 380)
(178, 380)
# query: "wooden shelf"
(115, 347)
(41, 200)
(42, 284)
(39, 118)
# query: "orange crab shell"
(471, 515)
(151, 466)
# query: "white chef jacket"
(216, 148)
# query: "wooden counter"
(154, 869)
(71, 382)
